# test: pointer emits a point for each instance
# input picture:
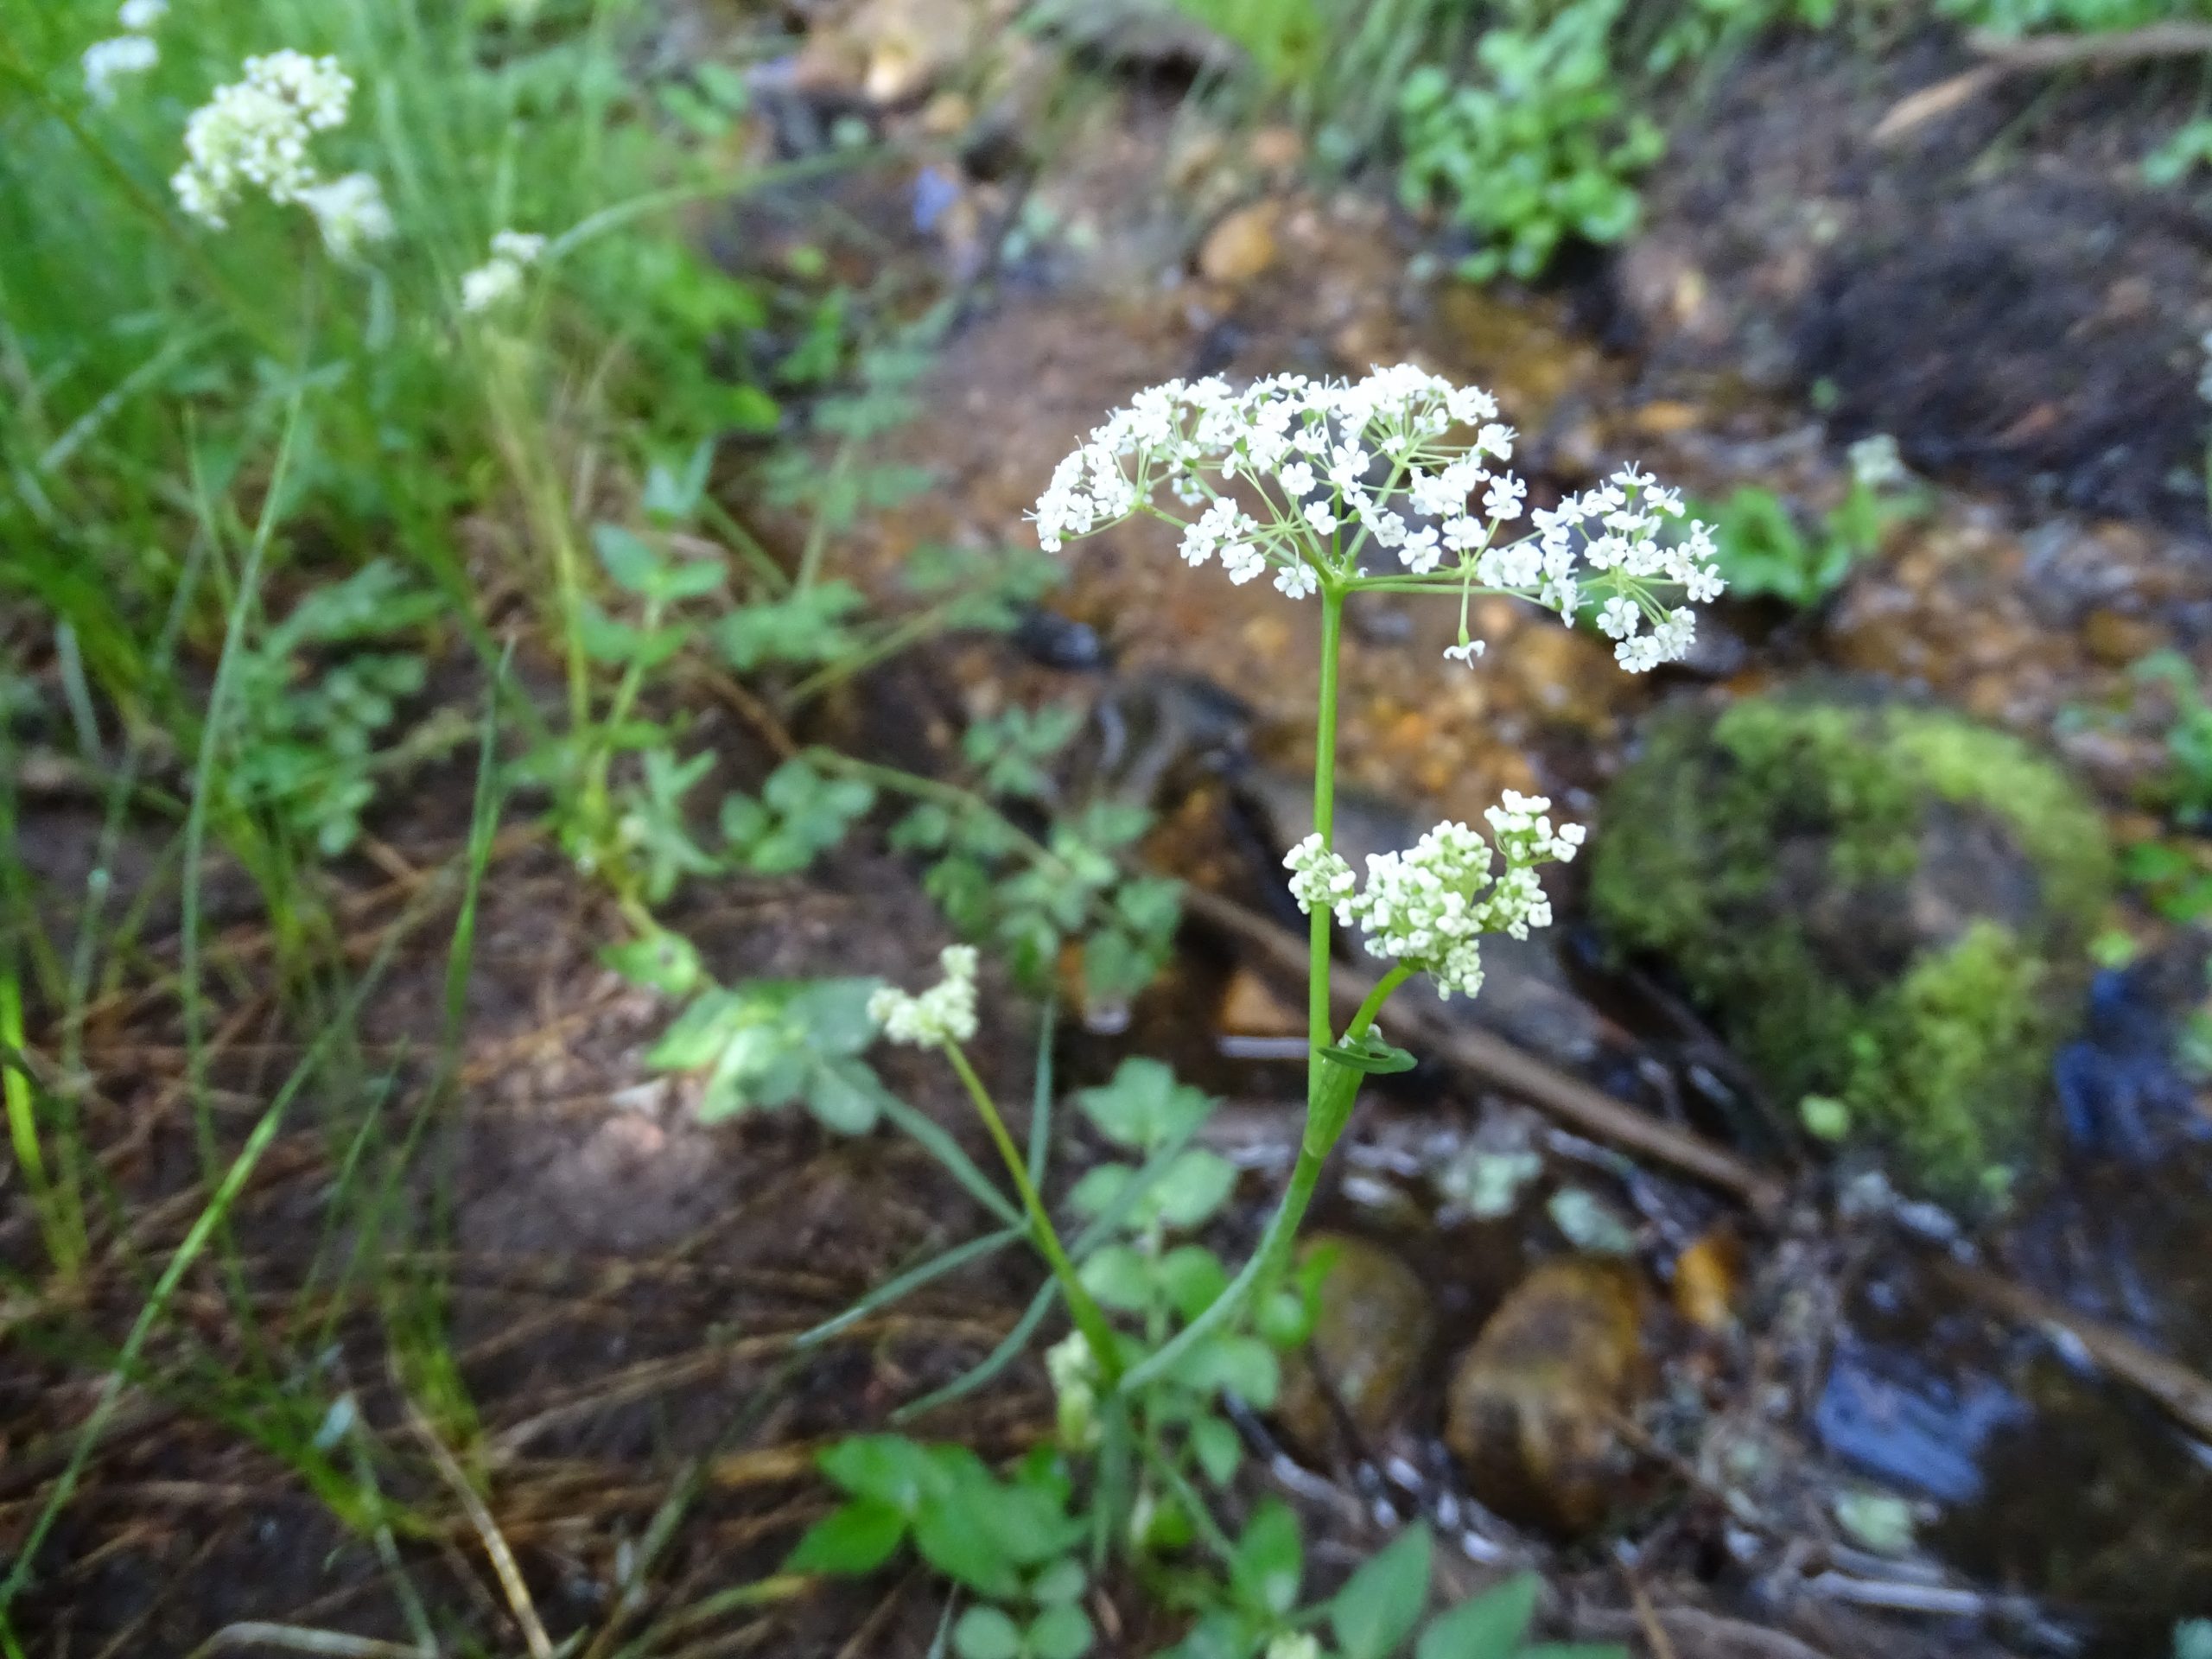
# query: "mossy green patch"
(1881, 904)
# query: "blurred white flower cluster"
(131, 53)
(1302, 477)
(254, 134)
(500, 278)
(944, 1014)
(1428, 907)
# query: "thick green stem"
(1090, 1318)
(1330, 1088)
(1325, 824)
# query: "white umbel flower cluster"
(132, 52)
(254, 134)
(500, 278)
(1428, 907)
(1303, 478)
(944, 1014)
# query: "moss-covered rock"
(1881, 904)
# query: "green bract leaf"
(1378, 1058)
(1379, 1603)
(856, 1538)
(1488, 1627)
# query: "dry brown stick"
(1591, 1111)
(488, 1531)
(2099, 51)
(2186, 1396)
(2002, 57)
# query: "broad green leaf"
(1488, 1627)
(1219, 1448)
(842, 1094)
(889, 1468)
(986, 1633)
(1098, 1188)
(855, 1538)
(700, 1032)
(663, 962)
(1143, 1106)
(1062, 1582)
(1244, 1366)
(626, 557)
(1120, 1277)
(952, 1539)
(835, 1013)
(1380, 1603)
(1193, 1277)
(1269, 1563)
(1195, 1186)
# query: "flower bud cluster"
(1428, 907)
(254, 134)
(131, 53)
(1302, 477)
(500, 278)
(944, 1014)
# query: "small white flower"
(490, 285)
(1322, 517)
(1318, 875)
(1465, 651)
(524, 247)
(1875, 462)
(139, 16)
(350, 213)
(108, 61)
(944, 1014)
(254, 132)
(1296, 580)
(1297, 479)
(1619, 618)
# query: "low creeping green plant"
(1304, 482)
(1762, 549)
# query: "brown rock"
(1242, 246)
(1370, 1337)
(2116, 639)
(1535, 1404)
(1250, 1008)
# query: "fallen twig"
(1590, 1110)
(2186, 1396)
(2004, 55)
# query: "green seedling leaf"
(1196, 1184)
(1144, 1107)
(663, 962)
(1380, 1604)
(1488, 1627)
(1120, 1277)
(1219, 1448)
(853, 1539)
(888, 1468)
(1269, 1564)
(986, 1633)
(1062, 1631)
(1244, 1366)
(1062, 1582)
(627, 558)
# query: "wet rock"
(1242, 246)
(1370, 1337)
(1535, 1404)
(1883, 904)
